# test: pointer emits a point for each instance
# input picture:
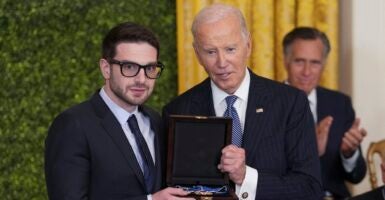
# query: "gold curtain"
(268, 22)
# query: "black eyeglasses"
(131, 69)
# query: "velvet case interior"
(194, 150)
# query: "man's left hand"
(352, 139)
(233, 162)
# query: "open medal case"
(194, 150)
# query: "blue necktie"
(232, 113)
(148, 164)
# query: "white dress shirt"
(249, 184)
(312, 97)
(144, 125)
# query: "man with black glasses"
(109, 146)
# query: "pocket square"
(259, 110)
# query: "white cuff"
(350, 163)
(149, 197)
(248, 189)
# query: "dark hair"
(127, 32)
(305, 33)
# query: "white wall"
(363, 67)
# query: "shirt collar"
(242, 92)
(312, 97)
(121, 114)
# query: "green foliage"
(49, 52)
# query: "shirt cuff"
(248, 189)
(350, 163)
(149, 197)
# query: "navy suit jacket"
(87, 155)
(338, 106)
(279, 142)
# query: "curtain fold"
(262, 29)
(268, 22)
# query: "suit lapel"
(114, 129)
(322, 101)
(155, 128)
(255, 112)
(202, 103)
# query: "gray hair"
(305, 33)
(216, 12)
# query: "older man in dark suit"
(273, 155)
(338, 131)
(109, 146)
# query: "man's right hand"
(322, 132)
(233, 161)
(352, 139)
(171, 193)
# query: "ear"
(286, 60)
(195, 48)
(196, 51)
(105, 68)
(249, 45)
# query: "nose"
(306, 69)
(221, 60)
(141, 76)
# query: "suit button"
(245, 195)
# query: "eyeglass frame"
(121, 63)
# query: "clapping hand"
(352, 139)
(322, 133)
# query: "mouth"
(223, 76)
(305, 81)
(138, 91)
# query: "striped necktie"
(232, 113)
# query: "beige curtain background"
(268, 21)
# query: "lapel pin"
(259, 110)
